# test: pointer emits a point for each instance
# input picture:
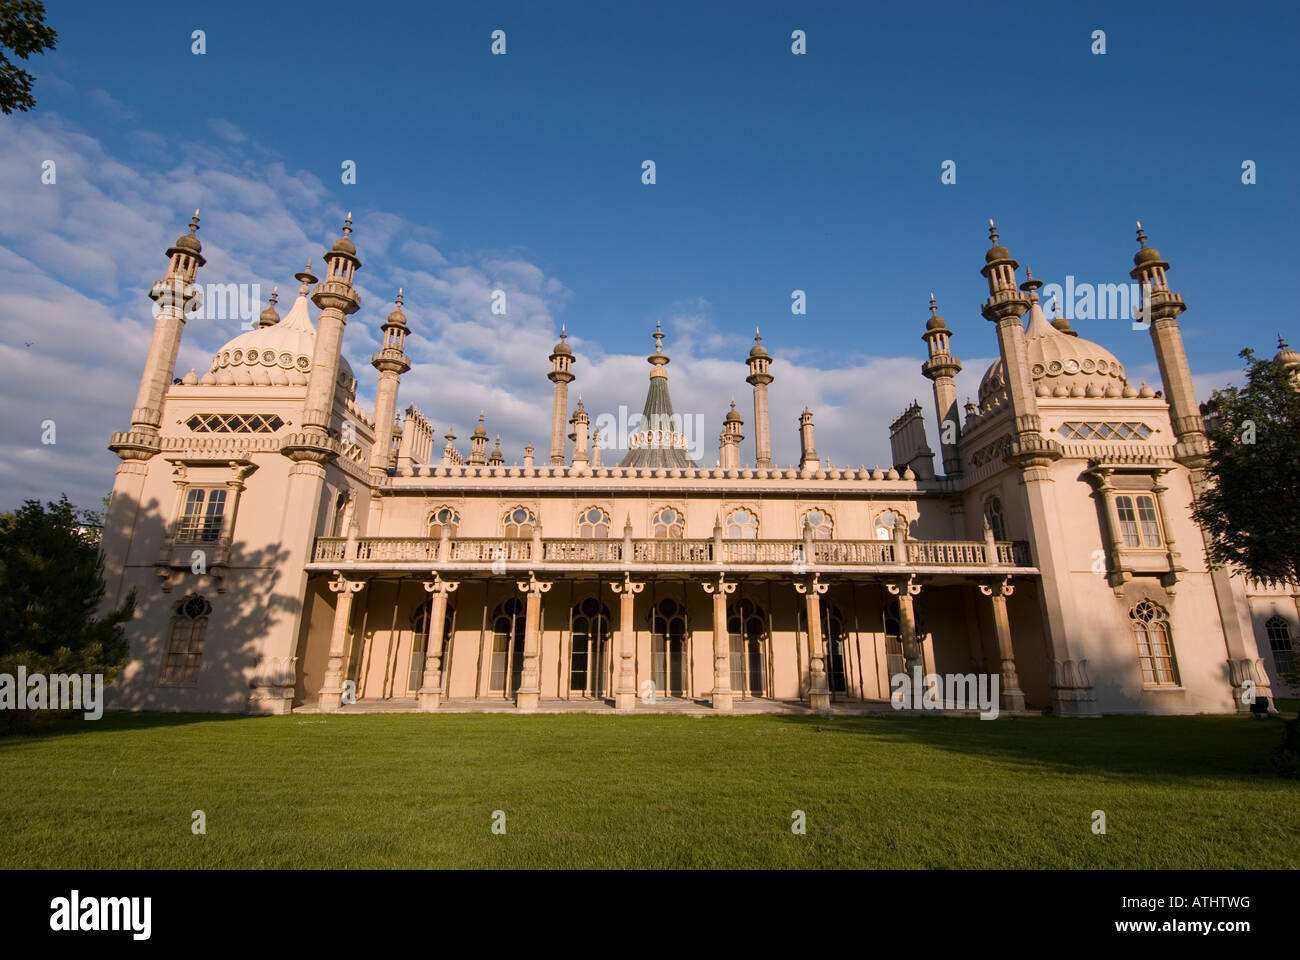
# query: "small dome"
(189, 242)
(270, 317)
(1285, 355)
(561, 349)
(732, 415)
(276, 355)
(1145, 254)
(343, 244)
(397, 316)
(997, 252)
(758, 350)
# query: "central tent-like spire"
(659, 440)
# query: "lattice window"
(742, 525)
(185, 640)
(234, 423)
(1106, 430)
(1279, 641)
(1155, 645)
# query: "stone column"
(998, 591)
(625, 691)
(331, 693)
(431, 682)
(529, 694)
(905, 589)
(722, 693)
(819, 694)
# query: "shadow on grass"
(1154, 749)
(115, 721)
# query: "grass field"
(649, 791)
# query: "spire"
(658, 360)
(659, 440)
(306, 280)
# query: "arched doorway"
(589, 649)
(748, 636)
(507, 663)
(669, 638)
(420, 646)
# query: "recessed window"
(593, 524)
(185, 640)
(747, 636)
(519, 523)
(205, 508)
(993, 514)
(589, 654)
(1154, 644)
(668, 524)
(885, 524)
(821, 524)
(1279, 641)
(742, 525)
(443, 517)
(506, 669)
(1138, 523)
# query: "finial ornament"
(563, 332)
(347, 224)
(398, 301)
(276, 290)
(993, 231)
(1141, 237)
(934, 307)
(194, 221)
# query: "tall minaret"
(808, 459)
(184, 258)
(729, 451)
(1005, 306)
(1165, 306)
(579, 422)
(336, 299)
(561, 375)
(940, 369)
(391, 361)
(759, 376)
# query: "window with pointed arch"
(821, 523)
(593, 524)
(1279, 642)
(742, 525)
(185, 637)
(519, 523)
(1155, 644)
(506, 667)
(748, 636)
(443, 517)
(885, 524)
(589, 664)
(668, 648)
(993, 514)
(420, 650)
(668, 524)
(336, 527)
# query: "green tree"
(51, 589)
(22, 32)
(1251, 507)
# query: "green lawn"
(648, 791)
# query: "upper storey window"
(823, 527)
(668, 524)
(202, 516)
(993, 514)
(885, 524)
(1108, 430)
(1138, 523)
(742, 525)
(593, 524)
(443, 517)
(519, 523)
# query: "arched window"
(747, 634)
(885, 524)
(742, 525)
(588, 658)
(668, 524)
(668, 641)
(336, 527)
(185, 640)
(593, 524)
(833, 640)
(1279, 641)
(1155, 645)
(519, 523)
(420, 646)
(507, 648)
(993, 514)
(823, 527)
(443, 517)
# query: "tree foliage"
(23, 32)
(1251, 507)
(51, 590)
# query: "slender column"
(529, 693)
(431, 682)
(905, 590)
(722, 693)
(625, 692)
(819, 694)
(331, 693)
(998, 591)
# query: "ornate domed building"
(291, 550)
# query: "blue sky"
(775, 172)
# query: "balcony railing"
(919, 553)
